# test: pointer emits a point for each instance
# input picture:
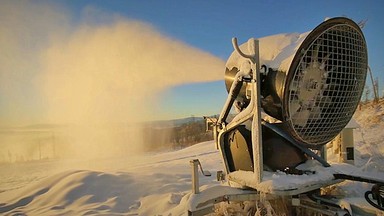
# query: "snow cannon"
(311, 82)
(292, 94)
(307, 85)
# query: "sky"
(200, 26)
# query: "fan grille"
(327, 84)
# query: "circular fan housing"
(316, 89)
(325, 81)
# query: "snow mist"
(98, 77)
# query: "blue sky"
(210, 25)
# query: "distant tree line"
(31, 144)
(176, 137)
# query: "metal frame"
(252, 111)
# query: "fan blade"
(294, 107)
(301, 118)
(315, 113)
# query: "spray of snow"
(94, 75)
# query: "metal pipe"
(257, 147)
(233, 93)
(195, 176)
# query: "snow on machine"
(293, 94)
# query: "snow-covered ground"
(146, 184)
(370, 136)
(149, 183)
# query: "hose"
(376, 195)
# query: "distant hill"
(158, 124)
(174, 122)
